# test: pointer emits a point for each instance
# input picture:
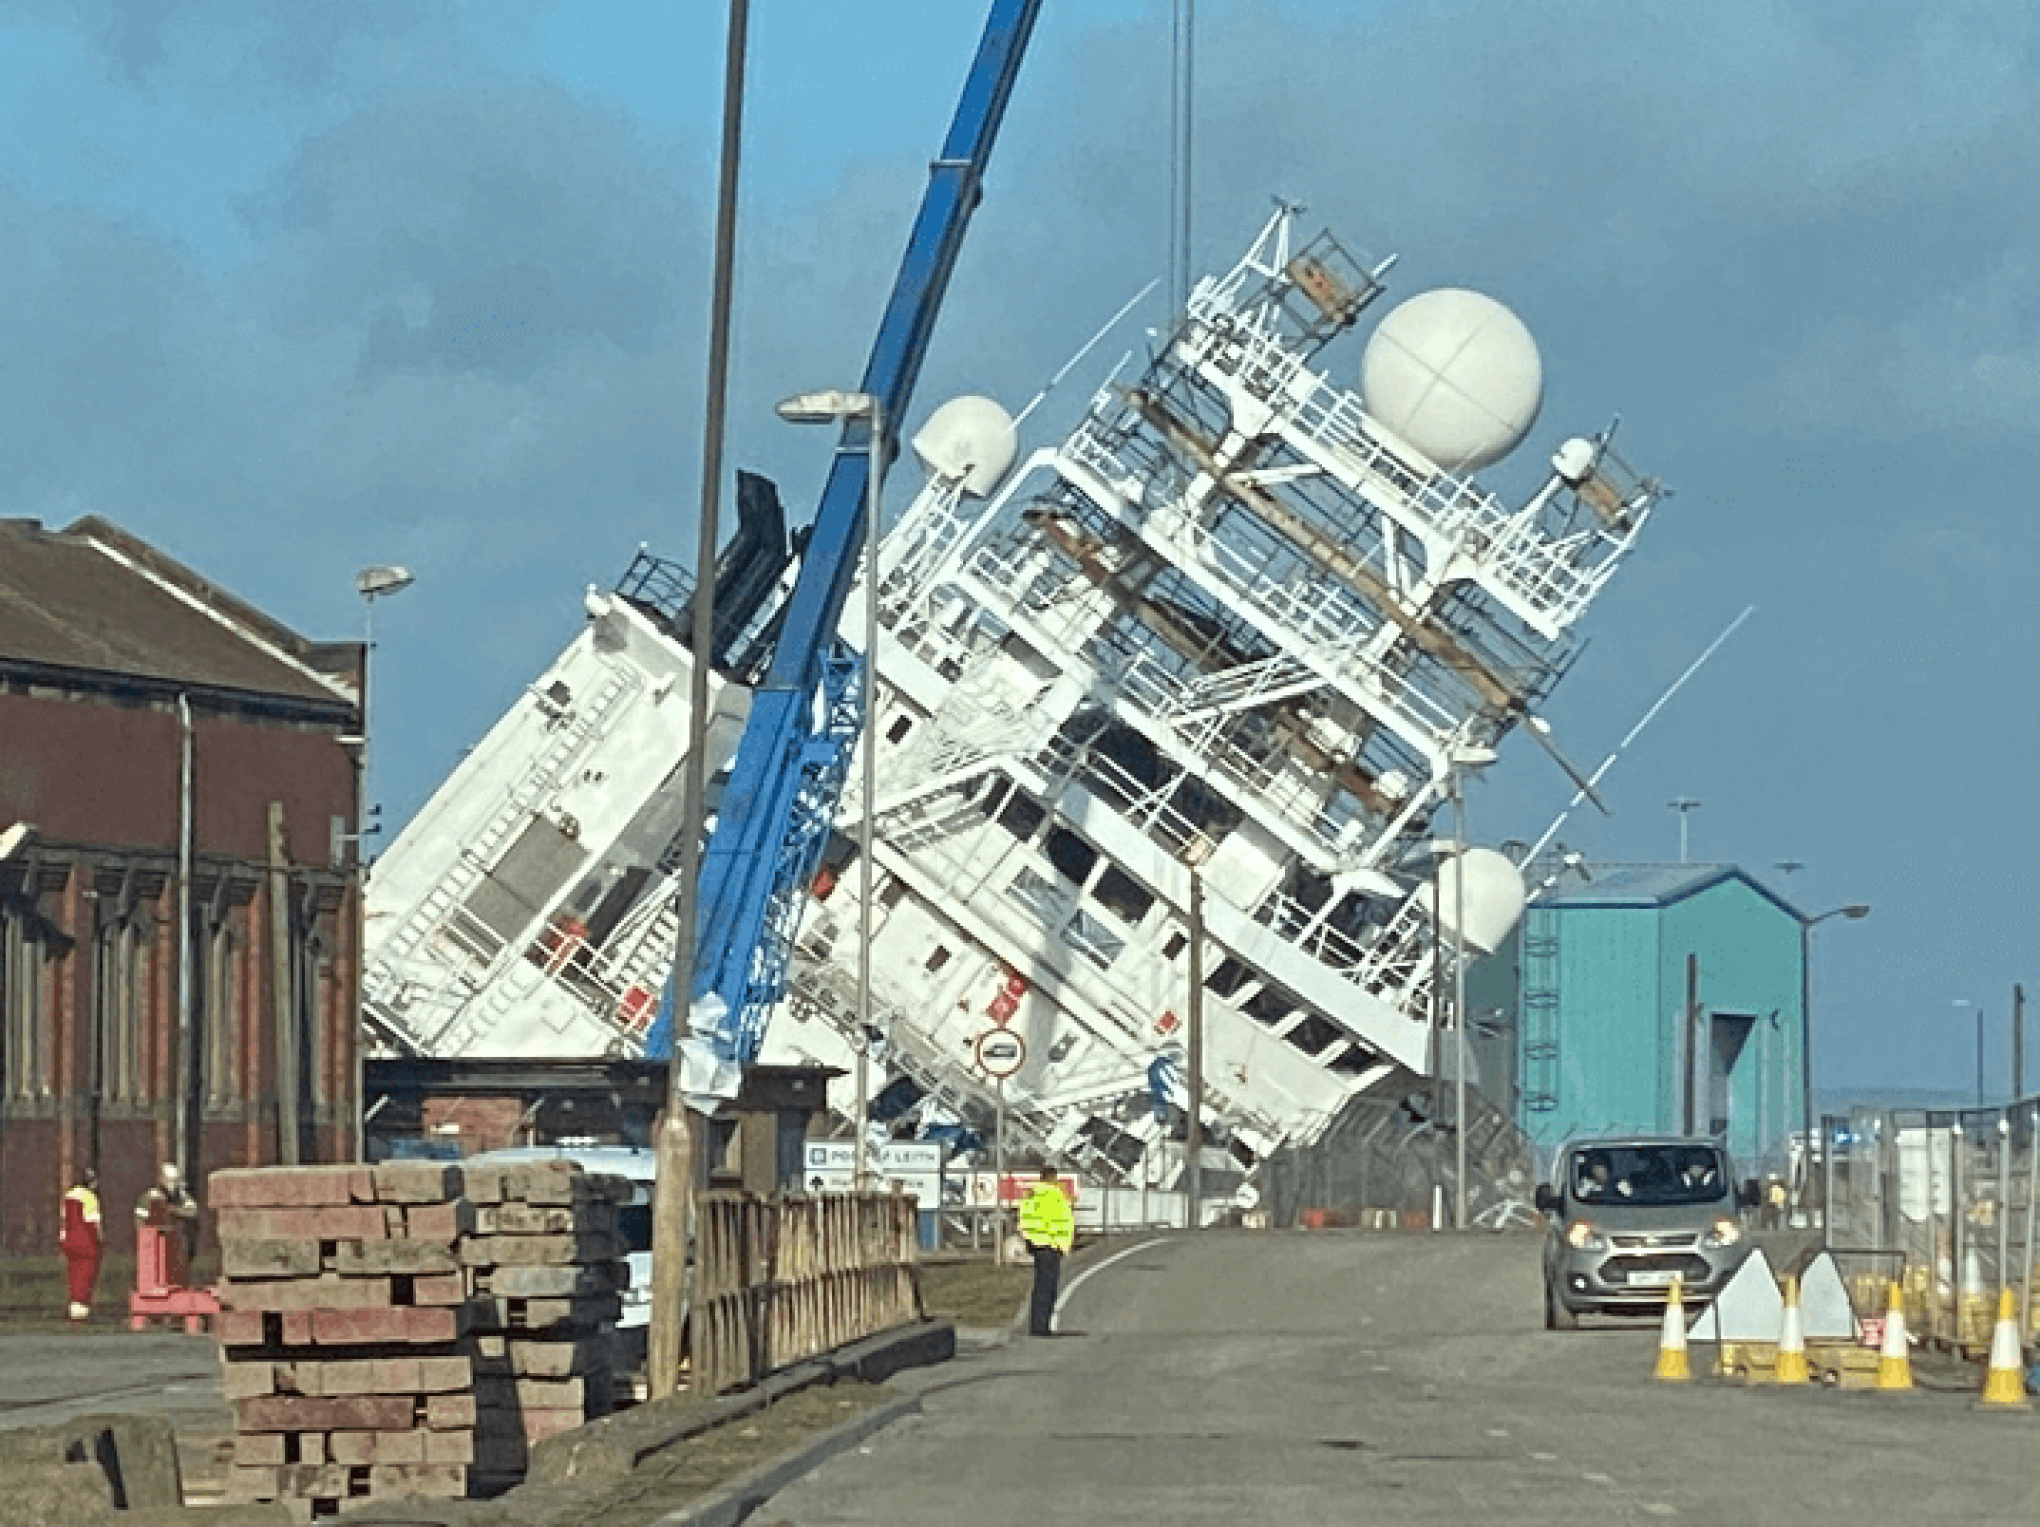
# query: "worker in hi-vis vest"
(1048, 1227)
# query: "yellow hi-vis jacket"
(1045, 1218)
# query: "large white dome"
(1454, 374)
(1494, 897)
(969, 437)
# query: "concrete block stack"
(343, 1331)
(546, 1267)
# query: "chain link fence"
(1941, 1200)
(1390, 1157)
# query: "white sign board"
(830, 1166)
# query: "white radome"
(1494, 897)
(1454, 374)
(969, 437)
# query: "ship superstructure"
(1238, 626)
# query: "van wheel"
(1556, 1316)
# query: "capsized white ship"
(1245, 624)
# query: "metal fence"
(1943, 1201)
(1391, 1156)
(782, 1279)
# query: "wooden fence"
(781, 1279)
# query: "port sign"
(1000, 1053)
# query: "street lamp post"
(837, 407)
(371, 583)
(1978, 1010)
(1854, 911)
(1685, 805)
(1457, 759)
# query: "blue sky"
(293, 290)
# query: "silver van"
(1627, 1216)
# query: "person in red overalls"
(81, 1241)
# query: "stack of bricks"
(344, 1312)
(545, 1267)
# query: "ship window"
(1123, 896)
(1073, 858)
(1351, 1061)
(891, 894)
(1176, 945)
(1021, 815)
(1269, 1005)
(1093, 940)
(897, 732)
(1312, 1035)
(1230, 976)
(937, 958)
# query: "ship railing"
(1318, 614)
(1543, 574)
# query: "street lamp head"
(828, 406)
(373, 581)
(1856, 911)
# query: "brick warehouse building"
(150, 720)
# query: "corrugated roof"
(93, 600)
(1652, 885)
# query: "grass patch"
(691, 1468)
(974, 1292)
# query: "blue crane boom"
(806, 715)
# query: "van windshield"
(1649, 1174)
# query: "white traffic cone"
(1672, 1364)
(1792, 1368)
(1894, 1358)
(2004, 1387)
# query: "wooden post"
(288, 1059)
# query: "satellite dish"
(1494, 896)
(971, 438)
(1454, 374)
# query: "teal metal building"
(1662, 997)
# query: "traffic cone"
(2004, 1387)
(1792, 1367)
(1672, 1366)
(1894, 1359)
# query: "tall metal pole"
(1806, 1049)
(1692, 1037)
(2018, 1042)
(1193, 1142)
(1979, 1057)
(867, 832)
(1182, 83)
(674, 1193)
(2032, 1202)
(182, 1151)
(1459, 836)
(999, 1177)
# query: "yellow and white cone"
(1894, 1359)
(2004, 1387)
(1792, 1368)
(1672, 1365)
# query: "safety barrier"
(782, 1279)
(1946, 1199)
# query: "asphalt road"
(1309, 1378)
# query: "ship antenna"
(1089, 345)
(1636, 730)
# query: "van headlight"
(1726, 1232)
(1582, 1236)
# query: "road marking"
(1078, 1281)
